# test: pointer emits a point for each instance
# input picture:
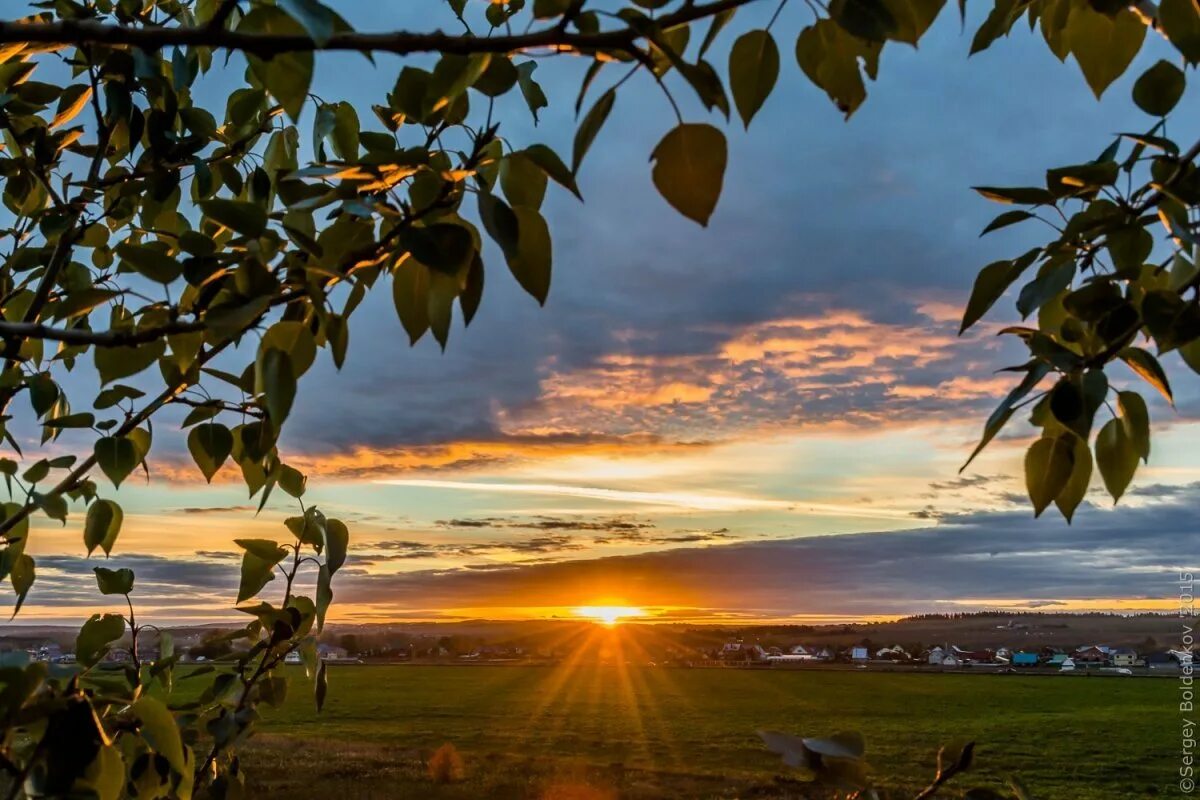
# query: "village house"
(893, 653)
(1125, 658)
(1091, 655)
(1024, 659)
(975, 656)
(329, 652)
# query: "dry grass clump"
(446, 764)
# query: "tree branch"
(83, 32)
(117, 338)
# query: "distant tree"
(349, 643)
(198, 259)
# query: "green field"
(648, 732)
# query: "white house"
(936, 655)
(858, 653)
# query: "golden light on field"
(609, 615)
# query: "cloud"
(830, 366)
(694, 501)
(1128, 558)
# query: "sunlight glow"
(609, 615)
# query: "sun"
(609, 615)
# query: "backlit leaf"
(1116, 457)
(689, 168)
(1049, 463)
(1103, 45)
(103, 523)
(753, 70)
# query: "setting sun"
(609, 615)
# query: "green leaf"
(1180, 21)
(258, 565)
(117, 457)
(834, 60)
(266, 549)
(293, 338)
(500, 222)
(531, 264)
(292, 481)
(719, 21)
(442, 246)
(106, 774)
(452, 76)
(1103, 45)
(22, 574)
(103, 523)
(1049, 463)
(1024, 195)
(523, 182)
(286, 75)
(161, 731)
(410, 293)
(337, 539)
(149, 261)
(1159, 89)
(866, 19)
(1136, 419)
(317, 20)
(96, 635)
(1148, 368)
(998, 23)
(324, 594)
(321, 686)
(753, 70)
(278, 384)
(1006, 219)
(591, 124)
(346, 132)
(552, 165)
(913, 18)
(472, 291)
(115, 394)
(1116, 456)
(1075, 490)
(114, 581)
(498, 78)
(248, 219)
(992, 281)
(531, 90)
(83, 420)
(210, 445)
(689, 167)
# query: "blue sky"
(780, 396)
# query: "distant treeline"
(1034, 614)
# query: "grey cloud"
(1130, 552)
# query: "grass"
(651, 732)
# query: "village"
(1116, 660)
(653, 647)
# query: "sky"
(759, 420)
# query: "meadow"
(597, 732)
